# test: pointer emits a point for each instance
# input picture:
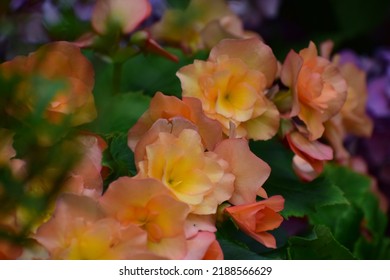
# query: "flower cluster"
(190, 171)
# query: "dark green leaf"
(373, 250)
(357, 189)
(228, 232)
(119, 113)
(118, 158)
(320, 246)
(178, 4)
(233, 251)
(344, 220)
(151, 73)
(301, 198)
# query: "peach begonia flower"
(318, 88)
(200, 233)
(80, 230)
(250, 171)
(204, 246)
(179, 161)
(173, 153)
(85, 177)
(148, 204)
(200, 25)
(124, 15)
(55, 62)
(310, 156)
(168, 107)
(232, 85)
(257, 218)
(352, 119)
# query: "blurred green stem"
(117, 78)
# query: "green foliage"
(320, 245)
(118, 158)
(150, 73)
(233, 251)
(301, 198)
(46, 152)
(117, 111)
(178, 4)
(236, 244)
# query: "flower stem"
(117, 78)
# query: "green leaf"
(320, 246)
(237, 240)
(119, 113)
(233, 251)
(373, 250)
(301, 198)
(357, 189)
(178, 4)
(118, 158)
(344, 220)
(152, 73)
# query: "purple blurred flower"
(379, 85)
(254, 12)
(376, 149)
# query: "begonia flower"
(58, 61)
(80, 230)
(232, 86)
(177, 157)
(85, 178)
(201, 24)
(250, 171)
(318, 88)
(256, 219)
(352, 118)
(168, 107)
(197, 223)
(214, 252)
(149, 205)
(204, 246)
(310, 156)
(353, 112)
(125, 15)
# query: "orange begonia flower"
(124, 15)
(148, 204)
(257, 218)
(177, 158)
(214, 252)
(58, 61)
(310, 156)
(169, 107)
(204, 179)
(79, 229)
(232, 85)
(318, 88)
